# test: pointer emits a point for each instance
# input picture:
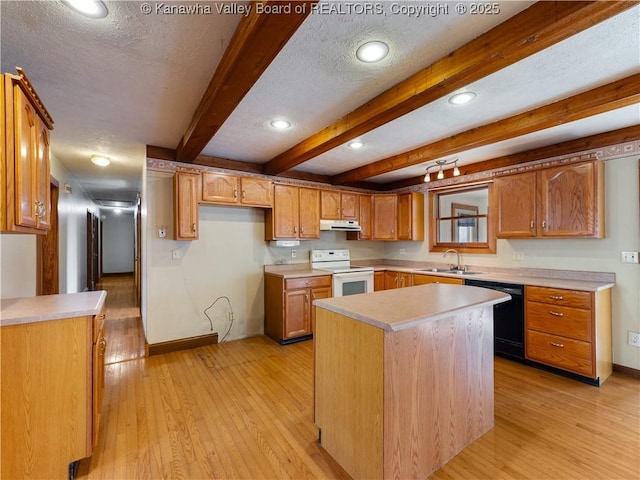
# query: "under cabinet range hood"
(340, 225)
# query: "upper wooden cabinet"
(564, 201)
(366, 217)
(411, 216)
(220, 188)
(25, 199)
(295, 213)
(185, 197)
(385, 209)
(336, 205)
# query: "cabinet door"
(384, 217)
(317, 294)
(255, 192)
(568, 201)
(366, 217)
(219, 188)
(404, 279)
(42, 181)
(411, 216)
(309, 213)
(186, 205)
(296, 313)
(285, 211)
(378, 281)
(516, 196)
(99, 349)
(350, 206)
(330, 205)
(25, 138)
(391, 280)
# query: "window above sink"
(461, 218)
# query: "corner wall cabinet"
(289, 311)
(570, 330)
(295, 213)
(52, 391)
(25, 205)
(185, 195)
(564, 201)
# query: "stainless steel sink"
(446, 270)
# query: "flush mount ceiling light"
(461, 98)
(100, 160)
(441, 164)
(372, 52)
(88, 8)
(355, 144)
(280, 124)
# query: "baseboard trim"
(182, 344)
(628, 371)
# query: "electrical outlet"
(518, 256)
(633, 339)
(175, 254)
(294, 254)
(629, 257)
(402, 251)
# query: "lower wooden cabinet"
(570, 330)
(289, 311)
(378, 281)
(423, 279)
(394, 279)
(52, 375)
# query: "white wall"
(117, 240)
(18, 252)
(227, 260)
(622, 222)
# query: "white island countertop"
(401, 308)
(17, 311)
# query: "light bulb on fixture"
(100, 160)
(280, 124)
(88, 8)
(356, 144)
(440, 164)
(372, 52)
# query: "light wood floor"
(243, 409)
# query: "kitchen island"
(403, 378)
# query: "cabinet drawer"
(559, 296)
(307, 282)
(560, 352)
(554, 319)
(422, 279)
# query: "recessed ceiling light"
(100, 160)
(88, 8)
(461, 98)
(355, 144)
(280, 124)
(371, 52)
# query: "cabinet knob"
(244, 194)
(555, 344)
(556, 314)
(533, 224)
(295, 230)
(193, 227)
(556, 297)
(544, 224)
(235, 193)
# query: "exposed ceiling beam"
(600, 140)
(536, 28)
(255, 43)
(599, 100)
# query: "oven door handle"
(353, 275)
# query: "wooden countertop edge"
(20, 311)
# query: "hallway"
(123, 327)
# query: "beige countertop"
(16, 311)
(401, 308)
(584, 281)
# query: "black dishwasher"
(508, 319)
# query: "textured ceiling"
(118, 84)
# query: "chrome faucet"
(454, 267)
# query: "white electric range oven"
(346, 280)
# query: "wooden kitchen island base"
(398, 399)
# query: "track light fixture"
(440, 164)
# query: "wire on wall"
(230, 316)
